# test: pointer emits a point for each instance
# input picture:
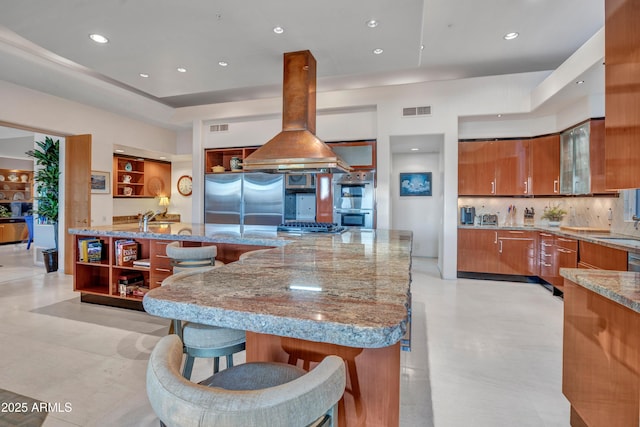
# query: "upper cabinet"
(226, 158)
(571, 163)
(582, 159)
(622, 93)
(358, 154)
(137, 177)
(545, 165)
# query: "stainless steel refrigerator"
(244, 198)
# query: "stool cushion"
(196, 335)
(254, 376)
(179, 402)
(175, 251)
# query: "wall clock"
(185, 185)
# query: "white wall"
(422, 215)
(63, 117)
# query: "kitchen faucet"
(145, 218)
(635, 221)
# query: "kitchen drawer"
(563, 242)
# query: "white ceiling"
(461, 38)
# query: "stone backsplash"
(598, 212)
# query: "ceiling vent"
(416, 111)
(219, 128)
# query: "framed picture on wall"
(415, 184)
(100, 182)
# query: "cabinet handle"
(564, 251)
(526, 187)
(556, 185)
(164, 270)
(546, 244)
(515, 232)
(566, 240)
(500, 250)
(493, 187)
(495, 240)
(546, 255)
(546, 235)
(546, 265)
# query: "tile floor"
(484, 353)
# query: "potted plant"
(46, 178)
(554, 214)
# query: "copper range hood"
(297, 148)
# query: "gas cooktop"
(311, 227)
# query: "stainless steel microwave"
(300, 180)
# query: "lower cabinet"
(556, 252)
(602, 257)
(518, 253)
(13, 232)
(497, 251)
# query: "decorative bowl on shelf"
(1, 177)
(128, 167)
(127, 191)
(18, 196)
(217, 169)
(13, 178)
(24, 178)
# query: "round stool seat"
(254, 376)
(196, 335)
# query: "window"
(631, 204)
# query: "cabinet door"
(476, 168)
(324, 198)
(512, 167)
(358, 154)
(597, 156)
(622, 94)
(517, 252)
(477, 250)
(602, 257)
(545, 165)
(582, 159)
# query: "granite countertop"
(612, 240)
(622, 287)
(348, 289)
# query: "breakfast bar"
(307, 296)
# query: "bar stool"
(202, 340)
(251, 394)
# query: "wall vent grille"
(416, 111)
(219, 128)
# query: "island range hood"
(297, 148)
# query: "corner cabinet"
(16, 186)
(136, 177)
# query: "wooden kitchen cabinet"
(622, 94)
(360, 155)
(222, 157)
(518, 252)
(11, 232)
(595, 256)
(545, 165)
(476, 168)
(478, 250)
(556, 252)
(324, 198)
(512, 167)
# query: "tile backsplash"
(600, 212)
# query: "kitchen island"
(601, 347)
(308, 296)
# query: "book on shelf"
(145, 262)
(83, 247)
(126, 252)
(94, 251)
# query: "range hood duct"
(297, 148)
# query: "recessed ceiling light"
(117, 150)
(372, 23)
(163, 158)
(223, 63)
(377, 51)
(278, 30)
(511, 36)
(415, 149)
(98, 38)
(181, 70)
(145, 75)
(579, 82)
(499, 115)
(421, 47)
